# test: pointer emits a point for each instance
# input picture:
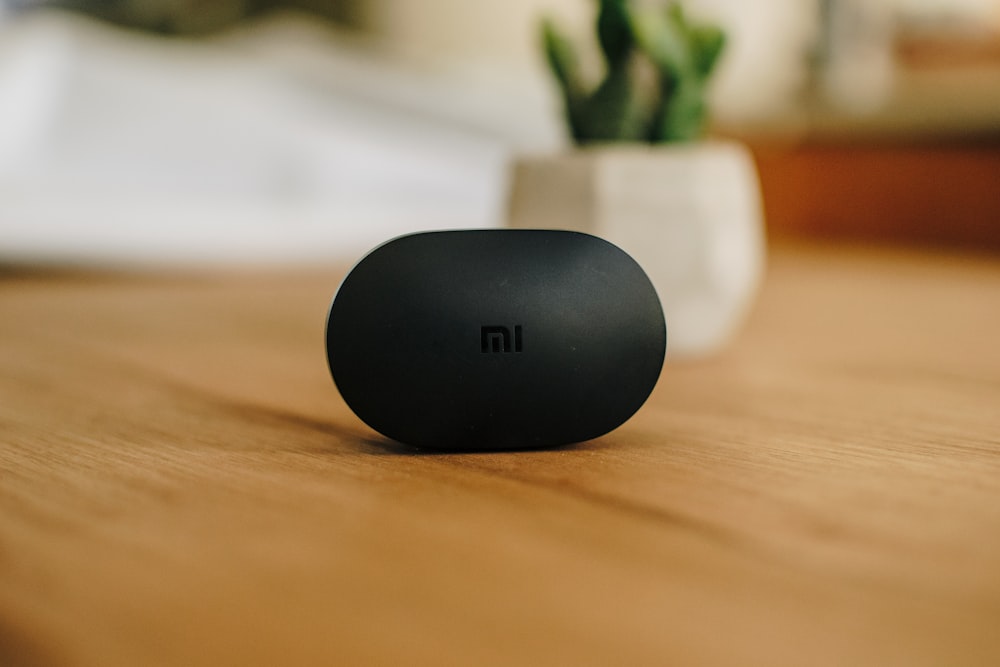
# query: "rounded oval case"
(495, 339)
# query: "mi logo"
(498, 339)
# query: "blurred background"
(166, 131)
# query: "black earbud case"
(495, 339)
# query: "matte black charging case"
(495, 339)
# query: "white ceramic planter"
(689, 214)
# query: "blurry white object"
(32, 65)
(124, 148)
(690, 215)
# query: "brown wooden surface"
(181, 484)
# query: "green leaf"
(676, 17)
(622, 107)
(707, 44)
(682, 115)
(613, 112)
(614, 32)
(704, 41)
(561, 57)
(663, 42)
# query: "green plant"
(658, 63)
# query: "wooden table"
(181, 484)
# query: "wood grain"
(181, 484)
